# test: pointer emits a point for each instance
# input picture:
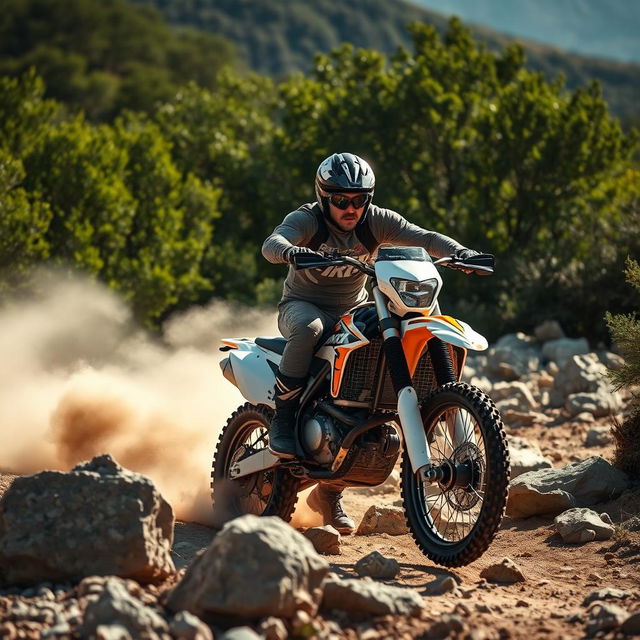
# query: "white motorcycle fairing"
(247, 367)
(449, 330)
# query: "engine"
(370, 459)
(321, 437)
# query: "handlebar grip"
(308, 261)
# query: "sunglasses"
(343, 202)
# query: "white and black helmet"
(343, 173)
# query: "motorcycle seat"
(276, 345)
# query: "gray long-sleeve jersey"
(344, 287)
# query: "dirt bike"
(384, 383)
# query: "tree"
(23, 225)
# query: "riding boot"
(287, 394)
(327, 500)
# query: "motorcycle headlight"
(415, 294)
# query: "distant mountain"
(604, 28)
(280, 36)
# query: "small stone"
(605, 594)
(604, 617)
(376, 565)
(379, 520)
(186, 626)
(442, 586)
(483, 608)
(273, 628)
(506, 571)
(448, 624)
(324, 539)
(241, 633)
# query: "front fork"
(415, 439)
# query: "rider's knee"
(309, 331)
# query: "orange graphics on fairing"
(345, 340)
(417, 332)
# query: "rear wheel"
(273, 492)
(454, 520)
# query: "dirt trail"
(547, 605)
(558, 576)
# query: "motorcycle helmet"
(344, 173)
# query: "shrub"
(625, 331)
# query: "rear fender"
(416, 332)
(252, 370)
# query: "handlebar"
(314, 261)
(482, 264)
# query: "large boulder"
(548, 330)
(525, 456)
(98, 519)
(551, 491)
(580, 374)
(267, 569)
(517, 392)
(602, 402)
(512, 356)
(561, 350)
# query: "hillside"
(278, 37)
(102, 57)
(591, 27)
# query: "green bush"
(625, 332)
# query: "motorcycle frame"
(404, 340)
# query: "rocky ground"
(552, 601)
(549, 588)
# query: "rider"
(344, 220)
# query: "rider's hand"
(293, 251)
(465, 254)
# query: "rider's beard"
(79, 379)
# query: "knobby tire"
(224, 492)
(476, 542)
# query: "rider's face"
(346, 219)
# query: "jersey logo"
(345, 271)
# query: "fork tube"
(415, 440)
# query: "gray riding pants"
(303, 324)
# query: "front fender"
(416, 332)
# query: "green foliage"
(108, 200)
(463, 141)
(24, 114)
(625, 331)
(101, 57)
(23, 224)
(279, 37)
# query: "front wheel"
(273, 492)
(454, 520)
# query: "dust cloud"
(78, 378)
